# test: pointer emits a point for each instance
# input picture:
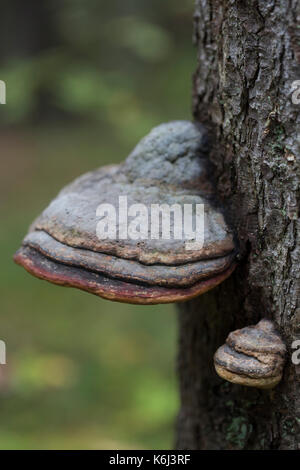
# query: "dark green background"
(86, 79)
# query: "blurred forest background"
(86, 79)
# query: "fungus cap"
(253, 356)
(168, 168)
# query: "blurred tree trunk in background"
(27, 30)
(249, 55)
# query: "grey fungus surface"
(253, 356)
(168, 166)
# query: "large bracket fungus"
(168, 167)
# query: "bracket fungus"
(134, 264)
(253, 356)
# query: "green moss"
(238, 431)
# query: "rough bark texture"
(249, 55)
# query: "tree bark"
(248, 58)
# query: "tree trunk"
(249, 56)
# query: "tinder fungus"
(253, 356)
(132, 232)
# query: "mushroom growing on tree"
(169, 170)
(253, 356)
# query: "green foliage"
(148, 41)
(83, 372)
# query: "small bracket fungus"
(253, 356)
(168, 168)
